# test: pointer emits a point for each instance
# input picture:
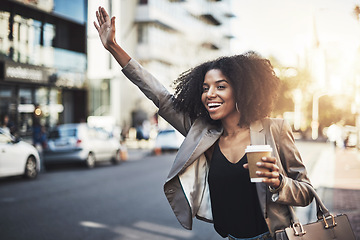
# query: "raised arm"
(106, 30)
(147, 83)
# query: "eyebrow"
(218, 81)
(221, 80)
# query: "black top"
(234, 200)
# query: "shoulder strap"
(321, 210)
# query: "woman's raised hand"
(106, 27)
(106, 30)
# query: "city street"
(126, 201)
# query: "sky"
(285, 28)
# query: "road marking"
(163, 229)
(93, 224)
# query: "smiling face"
(218, 96)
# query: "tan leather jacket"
(186, 187)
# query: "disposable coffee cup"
(254, 154)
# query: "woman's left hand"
(271, 178)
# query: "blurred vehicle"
(17, 157)
(81, 143)
(168, 140)
(351, 136)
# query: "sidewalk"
(344, 195)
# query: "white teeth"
(214, 104)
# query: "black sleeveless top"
(234, 200)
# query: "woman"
(220, 107)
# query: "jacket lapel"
(257, 137)
(199, 139)
(207, 140)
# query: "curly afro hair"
(252, 77)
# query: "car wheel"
(117, 158)
(30, 168)
(90, 161)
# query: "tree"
(291, 79)
(357, 12)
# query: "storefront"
(42, 64)
(32, 94)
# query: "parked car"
(168, 140)
(17, 157)
(81, 143)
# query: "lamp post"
(315, 115)
(297, 96)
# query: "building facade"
(166, 36)
(42, 63)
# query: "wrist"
(118, 53)
(111, 45)
(277, 189)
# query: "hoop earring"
(237, 108)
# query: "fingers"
(271, 177)
(98, 17)
(113, 23)
(272, 182)
(96, 26)
(269, 159)
(268, 174)
(269, 163)
(102, 16)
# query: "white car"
(81, 143)
(168, 140)
(17, 157)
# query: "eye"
(205, 88)
(221, 87)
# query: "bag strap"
(321, 210)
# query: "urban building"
(42, 63)
(166, 36)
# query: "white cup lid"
(258, 148)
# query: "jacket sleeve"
(293, 190)
(160, 96)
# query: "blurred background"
(54, 70)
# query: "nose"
(211, 92)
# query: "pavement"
(344, 195)
(335, 175)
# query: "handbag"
(327, 226)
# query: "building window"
(26, 110)
(49, 34)
(142, 33)
(101, 97)
(4, 32)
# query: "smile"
(213, 105)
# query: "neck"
(234, 131)
(231, 125)
(232, 128)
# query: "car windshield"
(62, 133)
(164, 132)
(6, 137)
